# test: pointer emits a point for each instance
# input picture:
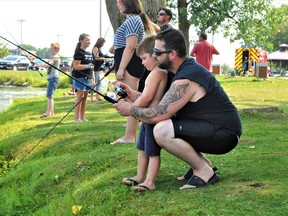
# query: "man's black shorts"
(205, 137)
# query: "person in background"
(72, 92)
(52, 77)
(82, 71)
(150, 28)
(98, 60)
(128, 66)
(203, 51)
(195, 115)
(148, 149)
(163, 18)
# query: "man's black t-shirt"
(215, 106)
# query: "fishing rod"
(110, 100)
(120, 92)
(48, 132)
(18, 45)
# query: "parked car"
(274, 74)
(36, 62)
(65, 66)
(14, 62)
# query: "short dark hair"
(174, 40)
(203, 35)
(167, 11)
(146, 46)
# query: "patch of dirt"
(257, 185)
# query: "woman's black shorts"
(134, 68)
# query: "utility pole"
(58, 36)
(21, 21)
(100, 14)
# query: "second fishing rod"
(111, 100)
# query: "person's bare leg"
(131, 129)
(132, 123)
(141, 168)
(50, 106)
(92, 96)
(164, 136)
(78, 107)
(189, 172)
(153, 169)
(83, 106)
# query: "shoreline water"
(8, 93)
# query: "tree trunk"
(113, 13)
(183, 21)
(150, 8)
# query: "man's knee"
(163, 131)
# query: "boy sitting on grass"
(149, 150)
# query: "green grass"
(75, 165)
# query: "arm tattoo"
(148, 113)
(174, 94)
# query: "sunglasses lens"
(156, 52)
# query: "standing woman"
(52, 77)
(98, 60)
(128, 65)
(82, 71)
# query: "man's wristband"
(87, 66)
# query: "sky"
(44, 22)
(54, 21)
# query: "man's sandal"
(189, 174)
(196, 182)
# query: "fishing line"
(76, 104)
(18, 44)
(104, 96)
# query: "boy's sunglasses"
(157, 52)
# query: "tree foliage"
(4, 51)
(44, 53)
(28, 47)
(279, 36)
(252, 22)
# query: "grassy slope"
(75, 165)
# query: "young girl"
(82, 71)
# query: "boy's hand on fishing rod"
(132, 95)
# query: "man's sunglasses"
(161, 14)
(157, 52)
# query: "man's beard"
(166, 65)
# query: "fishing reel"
(120, 92)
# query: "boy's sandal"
(130, 182)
